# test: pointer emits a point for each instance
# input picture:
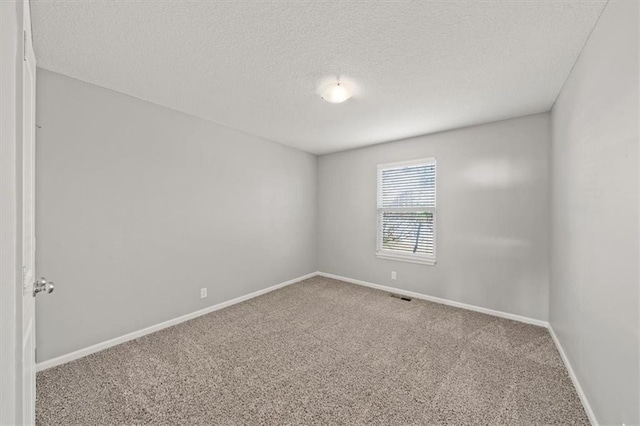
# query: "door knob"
(43, 285)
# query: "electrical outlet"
(203, 293)
(393, 275)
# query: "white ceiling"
(420, 67)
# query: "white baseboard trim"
(574, 379)
(448, 302)
(63, 359)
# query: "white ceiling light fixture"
(335, 92)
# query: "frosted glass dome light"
(335, 92)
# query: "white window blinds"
(407, 211)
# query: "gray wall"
(492, 215)
(594, 288)
(139, 206)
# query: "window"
(407, 211)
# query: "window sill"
(406, 258)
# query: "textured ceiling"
(420, 67)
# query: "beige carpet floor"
(320, 352)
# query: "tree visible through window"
(406, 210)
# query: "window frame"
(398, 255)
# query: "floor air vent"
(401, 297)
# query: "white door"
(30, 286)
(28, 227)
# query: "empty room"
(321, 212)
